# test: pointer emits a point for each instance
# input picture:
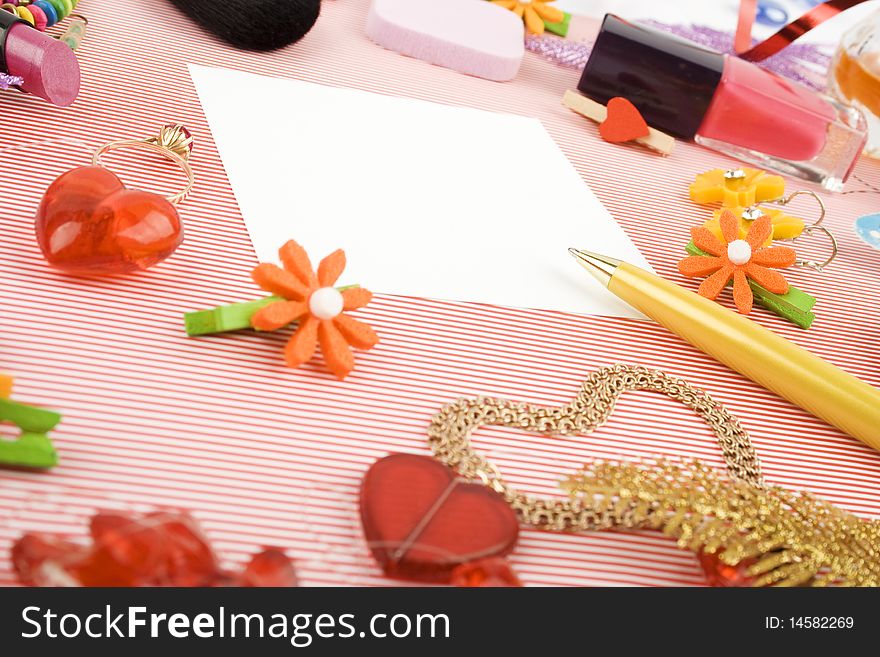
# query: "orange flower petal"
(700, 265)
(301, 346)
(278, 281)
(712, 286)
(296, 260)
(729, 226)
(706, 241)
(769, 279)
(355, 297)
(337, 353)
(356, 333)
(742, 293)
(331, 268)
(761, 229)
(548, 13)
(777, 256)
(278, 314)
(507, 4)
(533, 22)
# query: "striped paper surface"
(263, 455)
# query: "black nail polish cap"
(670, 80)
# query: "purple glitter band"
(573, 54)
(7, 81)
(805, 63)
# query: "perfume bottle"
(725, 103)
(855, 75)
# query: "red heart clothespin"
(619, 122)
(623, 123)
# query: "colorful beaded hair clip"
(736, 246)
(44, 14)
(304, 297)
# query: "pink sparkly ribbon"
(784, 37)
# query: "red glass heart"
(421, 521)
(89, 223)
(158, 549)
(719, 573)
(494, 572)
(271, 567)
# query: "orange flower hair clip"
(533, 12)
(738, 259)
(301, 295)
(724, 252)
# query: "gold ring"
(173, 143)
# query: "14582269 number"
(820, 622)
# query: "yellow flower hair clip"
(739, 187)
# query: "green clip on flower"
(32, 449)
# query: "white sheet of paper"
(426, 199)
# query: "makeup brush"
(254, 24)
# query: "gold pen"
(778, 364)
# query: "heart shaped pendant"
(623, 123)
(89, 223)
(421, 520)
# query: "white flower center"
(325, 303)
(739, 252)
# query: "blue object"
(49, 10)
(868, 228)
(772, 14)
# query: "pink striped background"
(264, 455)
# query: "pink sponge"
(470, 36)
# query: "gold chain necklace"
(450, 431)
(780, 536)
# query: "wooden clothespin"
(619, 122)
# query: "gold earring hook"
(788, 199)
(810, 228)
(812, 264)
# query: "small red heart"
(89, 223)
(623, 123)
(421, 521)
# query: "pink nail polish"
(725, 103)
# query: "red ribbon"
(742, 42)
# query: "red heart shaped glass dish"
(421, 521)
(90, 223)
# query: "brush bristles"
(258, 25)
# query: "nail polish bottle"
(725, 103)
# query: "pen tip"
(602, 267)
